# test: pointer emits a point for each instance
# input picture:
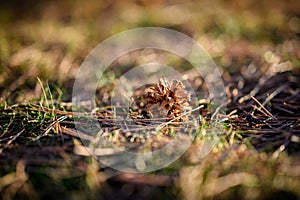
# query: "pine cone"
(170, 96)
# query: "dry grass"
(256, 47)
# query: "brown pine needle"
(273, 94)
(261, 106)
(13, 139)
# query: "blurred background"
(49, 39)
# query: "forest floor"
(257, 50)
